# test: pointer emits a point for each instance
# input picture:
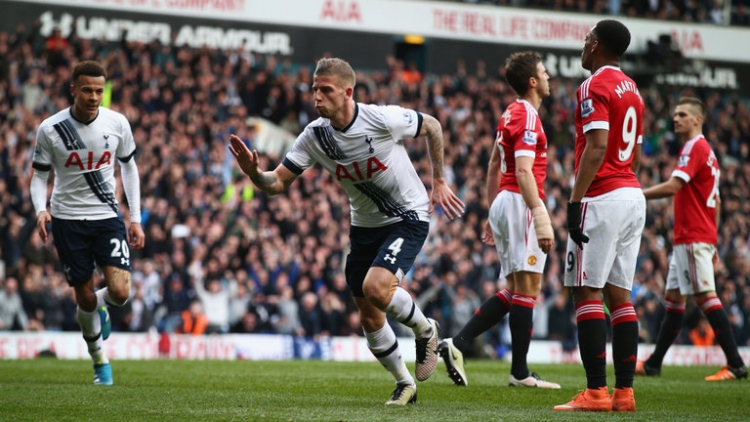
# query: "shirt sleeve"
(594, 107)
(126, 148)
(42, 165)
(298, 159)
(42, 160)
(689, 163)
(402, 122)
(525, 133)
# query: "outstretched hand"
(442, 196)
(248, 160)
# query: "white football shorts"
(515, 236)
(691, 268)
(614, 223)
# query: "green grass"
(166, 390)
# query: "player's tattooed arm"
(434, 132)
(268, 182)
(441, 194)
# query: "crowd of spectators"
(222, 257)
(715, 12)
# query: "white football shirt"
(370, 161)
(83, 156)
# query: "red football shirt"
(695, 203)
(520, 134)
(610, 100)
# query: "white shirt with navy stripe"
(83, 156)
(370, 161)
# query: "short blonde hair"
(336, 67)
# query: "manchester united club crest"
(532, 260)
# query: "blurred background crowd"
(222, 257)
(717, 12)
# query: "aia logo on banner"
(587, 107)
(683, 161)
(529, 137)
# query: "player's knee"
(119, 296)
(674, 295)
(119, 292)
(86, 300)
(702, 296)
(376, 294)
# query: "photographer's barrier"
(69, 345)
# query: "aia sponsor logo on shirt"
(356, 173)
(683, 161)
(587, 107)
(88, 161)
(529, 137)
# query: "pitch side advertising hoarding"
(365, 32)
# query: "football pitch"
(169, 390)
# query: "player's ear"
(349, 91)
(594, 46)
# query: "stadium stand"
(204, 221)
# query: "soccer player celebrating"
(362, 147)
(695, 186)
(515, 188)
(607, 212)
(81, 143)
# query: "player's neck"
(82, 116)
(685, 137)
(345, 116)
(533, 97)
(598, 64)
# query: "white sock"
(384, 346)
(102, 298)
(91, 327)
(403, 309)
